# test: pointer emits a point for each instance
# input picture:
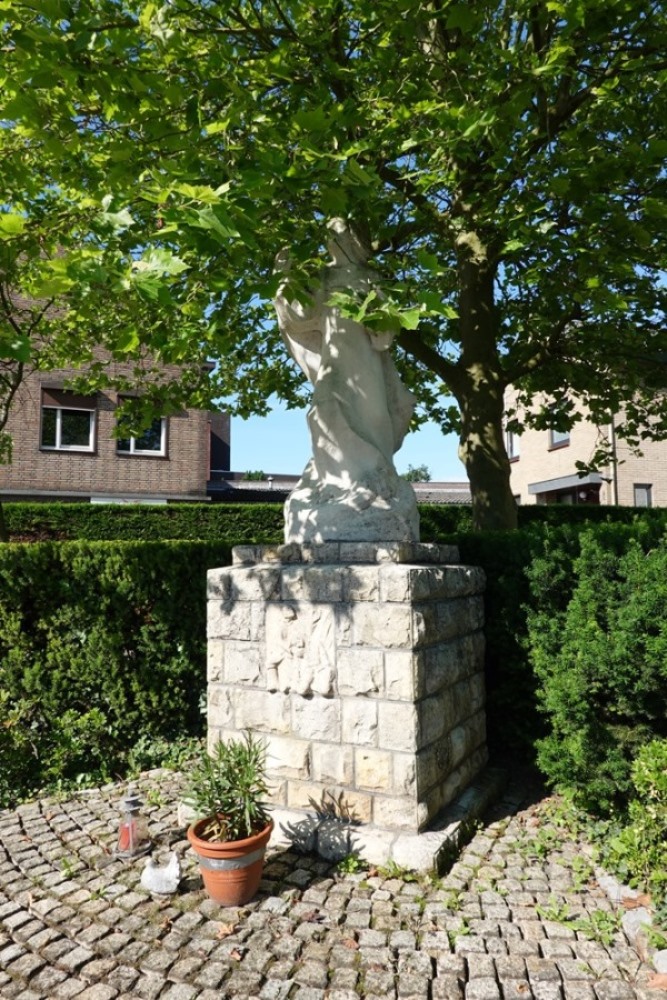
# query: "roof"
(277, 487)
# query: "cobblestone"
(76, 924)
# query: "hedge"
(597, 642)
(100, 643)
(233, 523)
(108, 630)
(240, 523)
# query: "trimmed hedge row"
(100, 643)
(235, 523)
(103, 643)
(240, 523)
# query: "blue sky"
(280, 443)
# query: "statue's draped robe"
(359, 415)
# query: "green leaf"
(409, 318)
(127, 340)
(218, 222)
(14, 348)
(463, 17)
(11, 225)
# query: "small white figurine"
(164, 880)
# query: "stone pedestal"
(361, 664)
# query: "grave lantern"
(133, 839)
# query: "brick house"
(543, 467)
(64, 447)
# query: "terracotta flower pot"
(232, 869)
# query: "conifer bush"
(598, 646)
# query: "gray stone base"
(361, 668)
(430, 851)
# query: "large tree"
(505, 161)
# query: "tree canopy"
(503, 158)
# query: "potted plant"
(227, 788)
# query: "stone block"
(332, 764)
(465, 738)
(333, 839)
(293, 830)
(218, 585)
(373, 846)
(432, 763)
(358, 552)
(458, 617)
(247, 555)
(288, 757)
(332, 802)
(300, 648)
(263, 711)
(448, 662)
(395, 582)
(405, 780)
(424, 624)
(477, 692)
(277, 790)
(243, 664)
(373, 769)
(360, 722)
(229, 620)
(398, 725)
(220, 706)
(306, 582)
(436, 718)
(437, 582)
(321, 552)
(255, 583)
(462, 616)
(215, 733)
(387, 626)
(420, 853)
(455, 782)
(362, 583)
(215, 655)
(360, 672)
(427, 583)
(397, 813)
(317, 718)
(400, 675)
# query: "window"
(512, 445)
(642, 492)
(153, 441)
(558, 439)
(68, 421)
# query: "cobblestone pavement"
(516, 918)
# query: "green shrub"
(234, 523)
(598, 645)
(635, 847)
(100, 643)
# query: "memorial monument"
(359, 414)
(354, 649)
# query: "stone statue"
(359, 414)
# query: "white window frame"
(58, 446)
(647, 490)
(146, 452)
(558, 439)
(512, 445)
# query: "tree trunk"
(4, 533)
(482, 451)
(479, 389)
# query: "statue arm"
(301, 330)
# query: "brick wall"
(182, 472)
(538, 462)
